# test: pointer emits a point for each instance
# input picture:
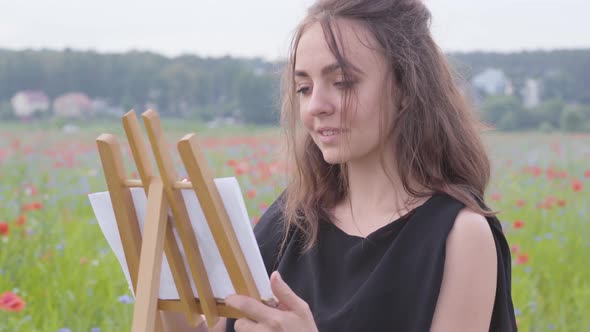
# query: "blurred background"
(70, 69)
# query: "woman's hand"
(292, 314)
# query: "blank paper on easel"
(221, 285)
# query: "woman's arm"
(176, 322)
(468, 289)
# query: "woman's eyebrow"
(326, 70)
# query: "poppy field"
(57, 273)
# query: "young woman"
(382, 226)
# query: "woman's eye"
(303, 90)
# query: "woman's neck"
(371, 190)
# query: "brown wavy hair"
(434, 133)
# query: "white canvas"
(232, 198)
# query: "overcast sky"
(263, 27)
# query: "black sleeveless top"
(388, 281)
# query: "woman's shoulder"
(443, 213)
(444, 205)
(464, 231)
(466, 215)
(477, 259)
(470, 233)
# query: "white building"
(72, 105)
(531, 93)
(493, 82)
(26, 103)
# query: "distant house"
(72, 105)
(493, 82)
(531, 93)
(26, 103)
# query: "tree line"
(190, 86)
(564, 77)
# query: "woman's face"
(320, 85)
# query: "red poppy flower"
(21, 220)
(522, 259)
(518, 224)
(4, 230)
(11, 302)
(577, 185)
(32, 206)
(548, 203)
(520, 202)
(551, 173)
(536, 171)
(496, 196)
(251, 193)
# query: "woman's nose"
(320, 103)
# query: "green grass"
(60, 265)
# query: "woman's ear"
(399, 97)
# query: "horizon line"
(266, 58)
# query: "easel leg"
(150, 262)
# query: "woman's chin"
(333, 158)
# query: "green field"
(54, 258)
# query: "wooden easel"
(144, 255)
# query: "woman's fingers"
(253, 309)
(285, 295)
(245, 325)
